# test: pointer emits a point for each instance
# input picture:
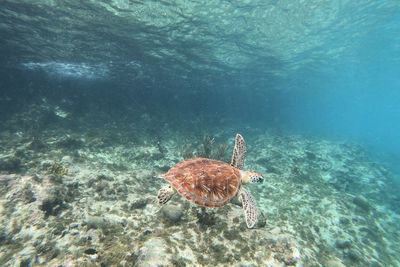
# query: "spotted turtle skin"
(205, 182)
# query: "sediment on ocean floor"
(89, 199)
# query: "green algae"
(13, 248)
(48, 249)
(178, 261)
(231, 235)
(58, 171)
(115, 253)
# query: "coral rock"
(172, 212)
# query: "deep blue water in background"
(355, 98)
(327, 68)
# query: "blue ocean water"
(327, 67)
(355, 96)
(97, 97)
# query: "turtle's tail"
(160, 176)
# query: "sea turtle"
(212, 183)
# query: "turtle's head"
(251, 177)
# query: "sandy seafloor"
(86, 197)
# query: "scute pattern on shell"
(206, 182)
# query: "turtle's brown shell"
(206, 182)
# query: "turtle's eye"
(256, 178)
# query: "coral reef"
(220, 152)
(206, 150)
(208, 141)
(57, 169)
(187, 151)
(173, 213)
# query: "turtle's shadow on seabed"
(205, 217)
(201, 218)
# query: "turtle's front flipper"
(249, 207)
(239, 152)
(165, 194)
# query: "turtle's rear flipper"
(249, 207)
(165, 194)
